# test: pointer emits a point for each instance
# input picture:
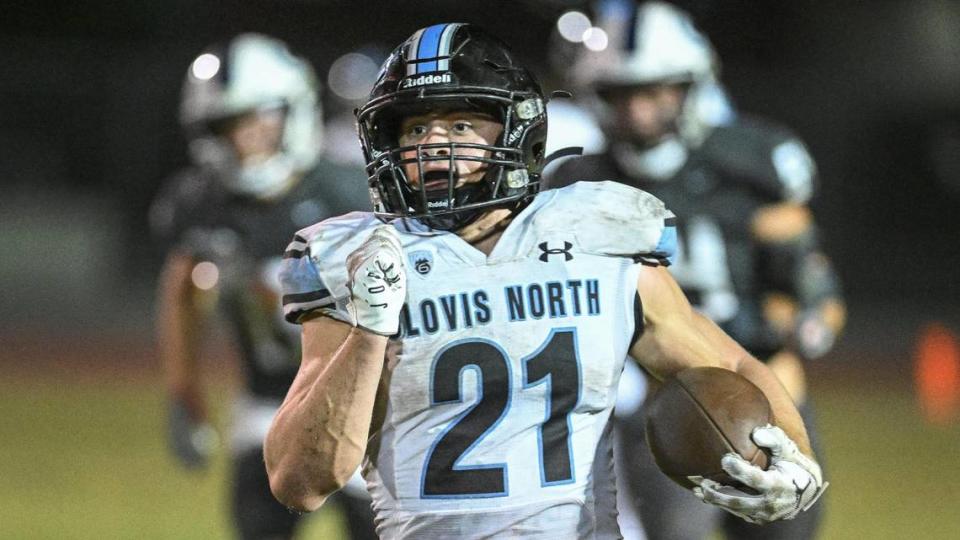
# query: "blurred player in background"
(252, 118)
(748, 255)
(465, 341)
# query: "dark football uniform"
(241, 235)
(725, 272)
(196, 215)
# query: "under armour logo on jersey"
(547, 252)
(422, 261)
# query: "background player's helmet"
(650, 43)
(252, 72)
(460, 66)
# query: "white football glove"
(378, 283)
(790, 485)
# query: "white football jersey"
(504, 373)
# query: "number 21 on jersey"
(555, 364)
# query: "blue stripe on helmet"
(445, 41)
(429, 47)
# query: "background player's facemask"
(264, 176)
(656, 147)
(662, 121)
(660, 45)
(250, 74)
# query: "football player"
(251, 116)
(465, 340)
(748, 256)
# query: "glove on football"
(378, 282)
(790, 485)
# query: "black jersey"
(245, 237)
(715, 195)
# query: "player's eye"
(417, 131)
(460, 128)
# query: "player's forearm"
(319, 436)
(177, 331)
(784, 410)
(733, 356)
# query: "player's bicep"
(675, 336)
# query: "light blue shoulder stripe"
(667, 245)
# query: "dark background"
(88, 130)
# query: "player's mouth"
(438, 180)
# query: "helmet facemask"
(452, 67)
(437, 200)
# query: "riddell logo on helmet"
(516, 132)
(427, 79)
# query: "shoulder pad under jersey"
(769, 157)
(609, 218)
(313, 274)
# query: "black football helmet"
(453, 66)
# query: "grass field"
(85, 458)
(88, 461)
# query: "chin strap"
(485, 225)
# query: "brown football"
(700, 414)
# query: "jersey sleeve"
(304, 291)
(313, 274)
(612, 219)
(767, 156)
(665, 252)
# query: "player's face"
(448, 127)
(255, 136)
(648, 113)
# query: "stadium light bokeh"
(205, 66)
(595, 39)
(205, 275)
(572, 26)
(351, 76)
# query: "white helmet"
(650, 43)
(253, 72)
(653, 43)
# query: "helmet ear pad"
(532, 144)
